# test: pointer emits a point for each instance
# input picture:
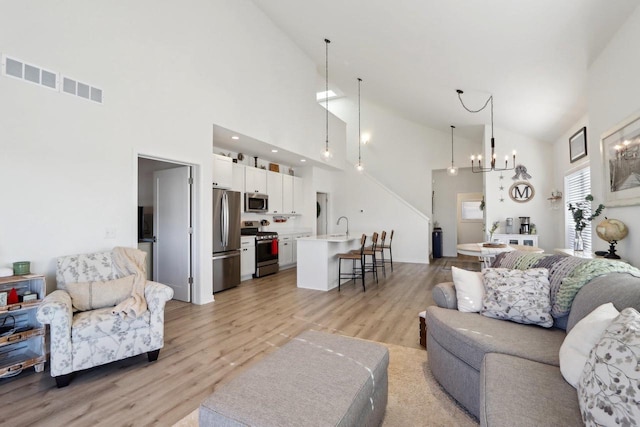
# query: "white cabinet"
(285, 250)
(237, 178)
(298, 195)
(518, 239)
(287, 194)
(24, 346)
(222, 171)
(274, 190)
(255, 180)
(247, 257)
(292, 194)
(295, 245)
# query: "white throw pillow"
(469, 289)
(581, 339)
(610, 381)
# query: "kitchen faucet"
(338, 223)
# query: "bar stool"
(383, 247)
(371, 251)
(354, 256)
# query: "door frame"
(195, 172)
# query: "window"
(576, 187)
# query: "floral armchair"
(85, 339)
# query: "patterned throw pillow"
(609, 388)
(521, 296)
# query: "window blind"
(576, 187)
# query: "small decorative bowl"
(21, 268)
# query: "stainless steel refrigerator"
(226, 239)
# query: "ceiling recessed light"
(303, 160)
(274, 151)
(235, 137)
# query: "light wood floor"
(207, 345)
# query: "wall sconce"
(555, 199)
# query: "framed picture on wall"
(578, 145)
(621, 163)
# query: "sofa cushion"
(469, 336)
(520, 392)
(518, 295)
(103, 323)
(623, 290)
(608, 388)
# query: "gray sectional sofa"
(506, 373)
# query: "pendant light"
(326, 154)
(452, 171)
(492, 163)
(359, 166)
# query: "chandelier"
(492, 162)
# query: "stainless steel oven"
(266, 248)
(266, 254)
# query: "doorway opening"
(165, 223)
(322, 201)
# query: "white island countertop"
(334, 237)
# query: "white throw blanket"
(128, 261)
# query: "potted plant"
(579, 212)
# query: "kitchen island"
(318, 261)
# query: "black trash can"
(436, 238)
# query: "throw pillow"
(521, 296)
(469, 289)
(93, 295)
(575, 348)
(609, 387)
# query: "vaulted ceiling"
(532, 55)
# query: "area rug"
(415, 398)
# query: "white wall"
(401, 153)
(614, 94)
(536, 156)
(370, 206)
(564, 167)
(168, 73)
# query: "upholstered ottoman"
(316, 379)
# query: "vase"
(578, 242)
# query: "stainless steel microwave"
(256, 202)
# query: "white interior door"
(171, 224)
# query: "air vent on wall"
(83, 90)
(16, 68)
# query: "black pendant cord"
(452, 128)
(326, 93)
(359, 133)
(490, 99)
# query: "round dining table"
(486, 254)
